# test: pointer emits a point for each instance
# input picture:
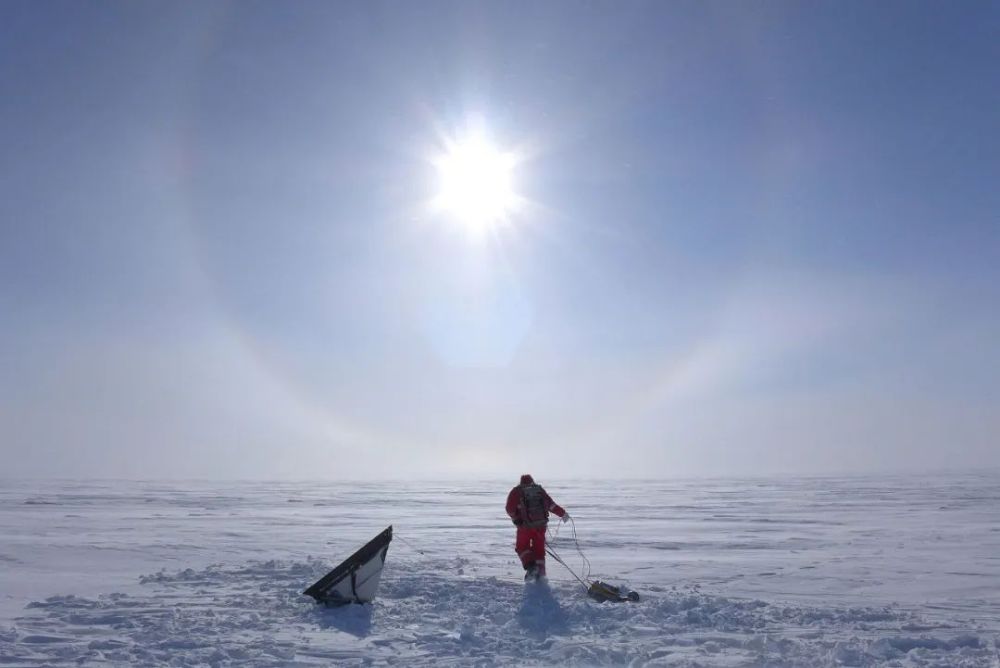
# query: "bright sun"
(476, 182)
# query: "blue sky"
(761, 238)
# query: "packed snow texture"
(808, 572)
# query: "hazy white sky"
(756, 238)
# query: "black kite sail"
(355, 580)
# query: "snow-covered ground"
(897, 571)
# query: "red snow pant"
(530, 546)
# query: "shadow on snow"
(353, 619)
(540, 612)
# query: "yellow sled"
(602, 591)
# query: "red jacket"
(520, 513)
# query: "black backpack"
(533, 505)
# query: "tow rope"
(596, 589)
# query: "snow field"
(823, 572)
(255, 615)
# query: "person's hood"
(526, 479)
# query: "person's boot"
(530, 571)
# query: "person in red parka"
(529, 506)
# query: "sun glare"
(476, 182)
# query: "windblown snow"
(809, 572)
